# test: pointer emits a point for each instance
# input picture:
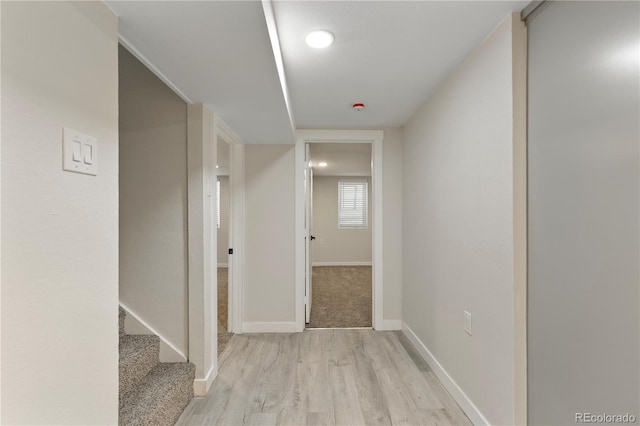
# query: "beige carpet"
(341, 297)
(223, 299)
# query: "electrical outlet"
(467, 323)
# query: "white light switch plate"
(79, 152)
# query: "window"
(353, 204)
(218, 203)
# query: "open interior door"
(308, 226)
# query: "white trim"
(223, 265)
(390, 325)
(341, 264)
(373, 137)
(456, 392)
(147, 63)
(201, 386)
(170, 352)
(269, 327)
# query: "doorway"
(304, 245)
(340, 245)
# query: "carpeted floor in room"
(223, 299)
(341, 297)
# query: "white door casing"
(303, 137)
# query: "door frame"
(373, 137)
(308, 219)
(236, 228)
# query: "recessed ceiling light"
(319, 39)
(322, 164)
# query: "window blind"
(352, 204)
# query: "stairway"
(151, 392)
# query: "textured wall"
(458, 225)
(59, 229)
(584, 197)
(269, 234)
(392, 184)
(153, 201)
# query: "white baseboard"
(223, 265)
(269, 327)
(341, 264)
(388, 325)
(201, 386)
(456, 392)
(133, 324)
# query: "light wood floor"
(324, 377)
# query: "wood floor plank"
(346, 403)
(373, 405)
(323, 377)
(317, 361)
(416, 381)
(401, 408)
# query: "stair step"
(160, 397)
(121, 316)
(138, 356)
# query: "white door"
(308, 225)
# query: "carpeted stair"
(151, 392)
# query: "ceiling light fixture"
(322, 164)
(319, 39)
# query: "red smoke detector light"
(358, 107)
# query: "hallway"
(342, 377)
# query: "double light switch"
(80, 152)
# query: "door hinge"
(306, 300)
(230, 251)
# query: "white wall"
(223, 231)
(59, 229)
(269, 235)
(332, 244)
(153, 201)
(458, 226)
(392, 219)
(584, 187)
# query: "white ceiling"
(391, 55)
(343, 159)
